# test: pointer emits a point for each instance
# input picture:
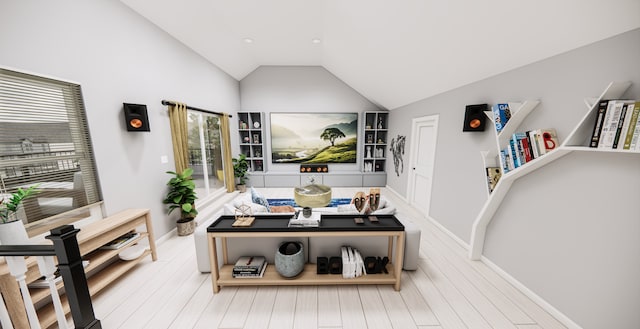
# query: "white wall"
(568, 231)
(300, 89)
(116, 56)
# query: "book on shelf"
(249, 264)
(610, 124)
(501, 115)
(597, 128)
(121, 241)
(623, 124)
(635, 111)
(616, 124)
(249, 267)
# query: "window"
(205, 152)
(44, 141)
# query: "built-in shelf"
(578, 140)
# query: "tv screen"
(314, 137)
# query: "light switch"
(164, 159)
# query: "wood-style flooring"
(447, 291)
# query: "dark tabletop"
(328, 223)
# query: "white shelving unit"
(374, 152)
(578, 140)
(251, 139)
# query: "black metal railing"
(65, 248)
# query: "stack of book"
(617, 126)
(526, 146)
(352, 263)
(300, 221)
(249, 267)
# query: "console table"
(330, 226)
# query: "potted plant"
(12, 229)
(240, 168)
(182, 196)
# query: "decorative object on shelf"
(379, 152)
(368, 166)
(474, 117)
(256, 139)
(322, 265)
(289, 259)
(380, 123)
(493, 176)
(132, 252)
(256, 125)
(182, 195)
(380, 141)
(244, 216)
(369, 138)
(246, 139)
(397, 149)
(243, 125)
(368, 155)
(12, 230)
(374, 199)
(240, 168)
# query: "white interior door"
(424, 131)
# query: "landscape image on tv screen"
(314, 137)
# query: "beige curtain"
(178, 121)
(229, 178)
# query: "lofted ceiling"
(392, 52)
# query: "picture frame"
(314, 137)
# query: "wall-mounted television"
(314, 137)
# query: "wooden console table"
(330, 226)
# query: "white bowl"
(132, 252)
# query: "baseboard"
(565, 320)
(506, 276)
(431, 220)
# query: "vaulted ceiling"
(392, 52)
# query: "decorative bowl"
(313, 195)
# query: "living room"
(570, 249)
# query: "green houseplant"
(240, 168)
(12, 230)
(182, 195)
(9, 208)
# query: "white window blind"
(45, 141)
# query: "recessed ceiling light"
(316, 40)
(247, 40)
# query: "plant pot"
(13, 233)
(290, 259)
(241, 187)
(186, 226)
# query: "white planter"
(13, 233)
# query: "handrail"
(65, 248)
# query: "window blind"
(45, 141)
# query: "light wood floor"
(447, 291)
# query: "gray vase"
(290, 259)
